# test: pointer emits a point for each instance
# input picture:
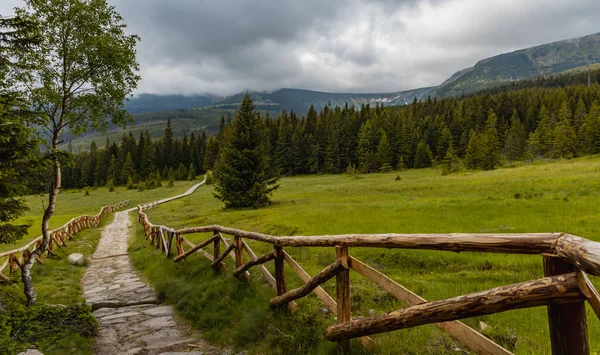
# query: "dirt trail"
(131, 319)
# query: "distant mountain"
(145, 103)
(543, 60)
(300, 100)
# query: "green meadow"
(74, 203)
(558, 196)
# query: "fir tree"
(128, 170)
(191, 172)
(244, 174)
(515, 139)
(384, 153)
(590, 129)
(489, 143)
(450, 163)
(565, 140)
(367, 144)
(112, 170)
(423, 155)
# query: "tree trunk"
(46, 237)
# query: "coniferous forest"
(547, 118)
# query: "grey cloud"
(226, 46)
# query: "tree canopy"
(17, 37)
(84, 68)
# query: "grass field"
(73, 203)
(553, 197)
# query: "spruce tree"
(515, 139)
(423, 155)
(565, 139)
(384, 153)
(367, 145)
(244, 173)
(191, 172)
(590, 130)
(473, 158)
(128, 170)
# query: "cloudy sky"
(225, 46)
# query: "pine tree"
(168, 147)
(545, 132)
(112, 170)
(367, 144)
(191, 172)
(473, 158)
(128, 170)
(384, 153)
(490, 144)
(565, 141)
(423, 155)
(244, 174)
(515, 139)
(181, 173)
(443, 143)
(450, 163)
(590, 130)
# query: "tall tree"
(515, 139)
(384, 153)
(367, 148)
(564, 143)
(17, 37)
(128, 171)
(423, 155)
(85, 69)
(244, 174)
(490, 142)
(590, 129)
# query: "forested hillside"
(537, 61)
(546, 118)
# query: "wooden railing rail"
(59, 237)
(564, 289)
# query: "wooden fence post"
(216, 252)
(238, 251)
(342, 281)
(279, 271)
(568, 326)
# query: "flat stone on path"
(130, 319)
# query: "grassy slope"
(73, 203)
(562, 196)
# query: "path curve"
(130, 317)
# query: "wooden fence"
(564, 289)
(15, 258)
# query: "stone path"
(131, 319)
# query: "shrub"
(129, 183)
(43, 326)
(398, 178)
(111, 185)
(141, 186)
(86, 191)
(350, 170)
(209, 178)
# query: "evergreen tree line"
(138, 162)
(477, 132)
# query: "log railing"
(59, 237)
(564, 289)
